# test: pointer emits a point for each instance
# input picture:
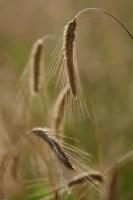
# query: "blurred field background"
(105, 61)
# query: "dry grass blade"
(68, 51)
(35, 65)
(121, 161)
(60, 106)
(60, 154)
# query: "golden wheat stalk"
(120, 162)
(54, 145)
(111, 188)
(60, 106)
(113, 171)
(35, 65)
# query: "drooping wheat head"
(53, 143)
(35, 65)
(68, 52)
(64, 58)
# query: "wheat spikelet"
(60, 154)
(35, 65)
(68, 52)
(60, 106)
(83, 178)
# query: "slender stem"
(106, 13)
(9, 157)
(98, 137)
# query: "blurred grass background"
(105, 62)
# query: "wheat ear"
(54, 145)
(68, 45)
(35, 65)
(79, 180)
(59, 109)
(68, 52)
(83, 178)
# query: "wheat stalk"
(121, 161)
(114, 172)
(111, 189)
(109, 15)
